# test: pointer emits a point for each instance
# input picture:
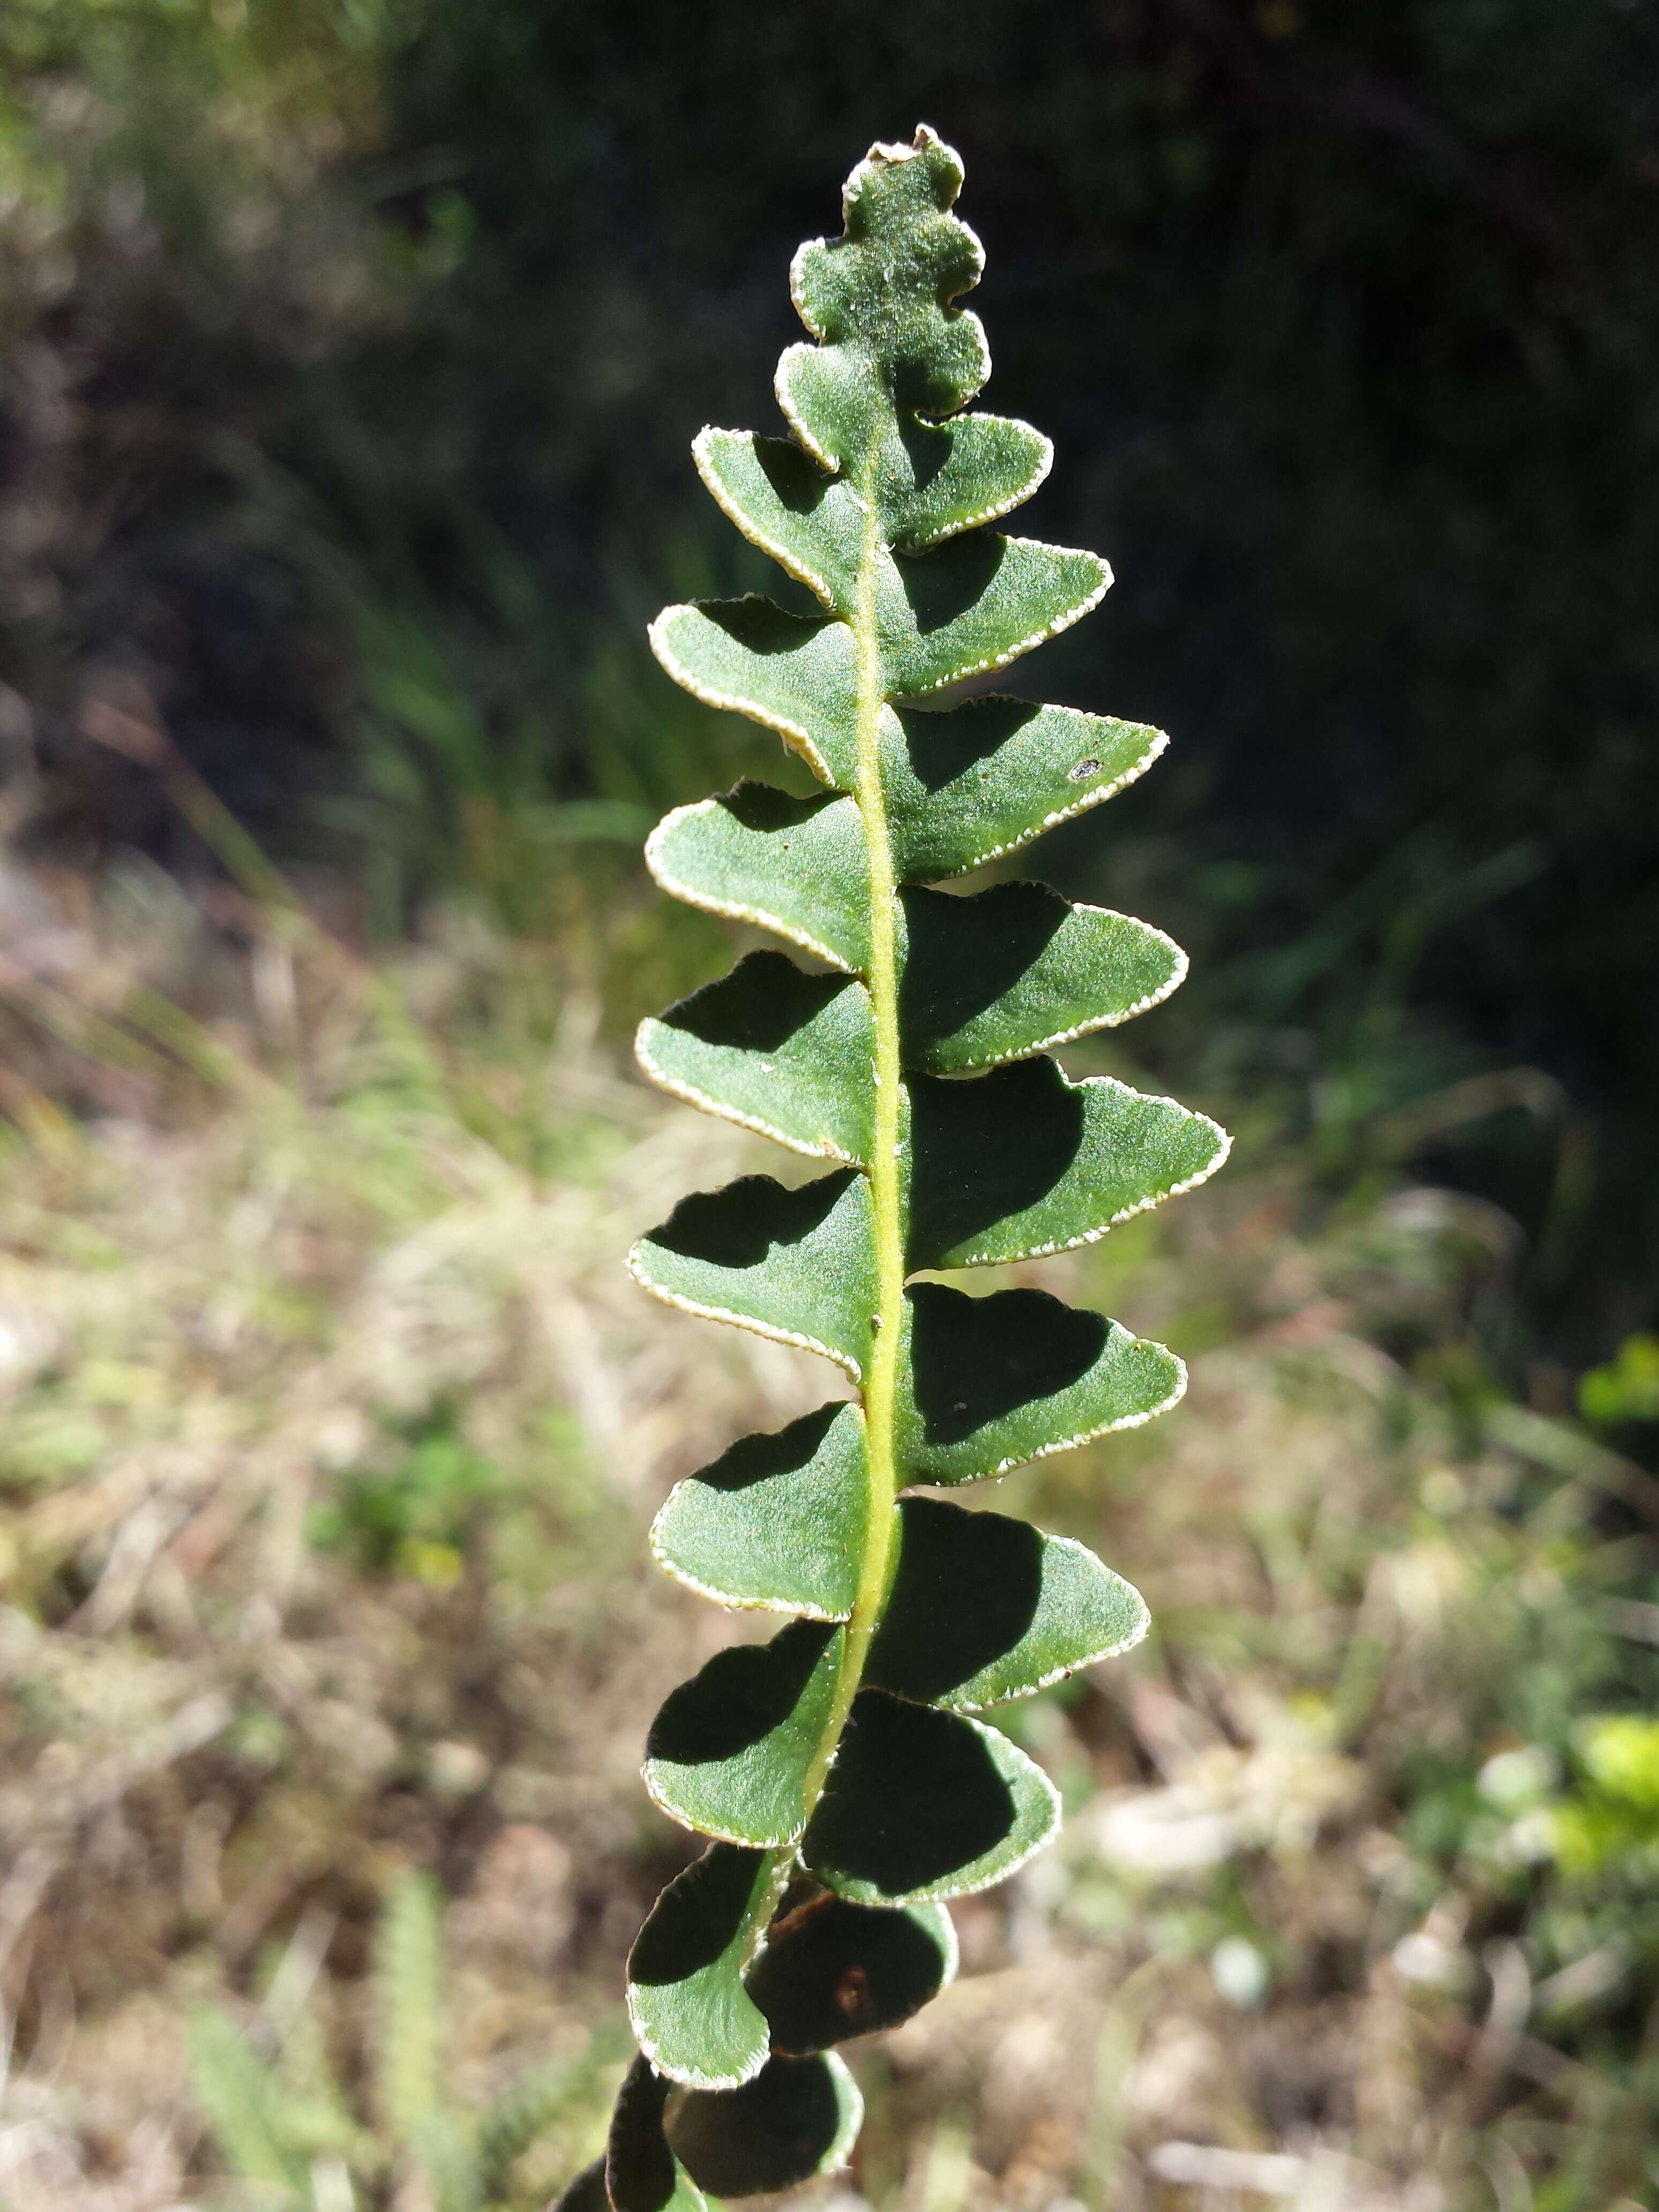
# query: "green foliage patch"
(841, 1769)
(286, 2125)
(417, 1514)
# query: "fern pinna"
(841, 1768)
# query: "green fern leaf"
(408, 1966)
(523, 2112)
(443, 2148)
(831, 1970)
(244, 2105)
(846, 1753)
(640, 2172)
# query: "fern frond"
(408, 1968)
(524, 2111)
(244, 2105)
(443, 2150)
(842, 1769)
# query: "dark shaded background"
(356, 351)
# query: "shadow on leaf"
(987, 1150)
(764, 1002)
(976, 1360)
(943, 747)
(944, 584)
(771, 812)
(741, 1696)
(740, 1225)
(963, 954)
(697, 1917)
(914, 1798)
(760, 625)
(775, 2132)
(799, 486)
(758, 1458)
(833, 1970)
(640, 2173)
(966, 1591)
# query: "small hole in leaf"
(1084, 768)
(853, 1991)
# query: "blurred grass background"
(351, 351)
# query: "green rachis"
(841, 1769)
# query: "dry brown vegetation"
(333, 1429)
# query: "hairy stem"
(880, 1388)
(881, 1382)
